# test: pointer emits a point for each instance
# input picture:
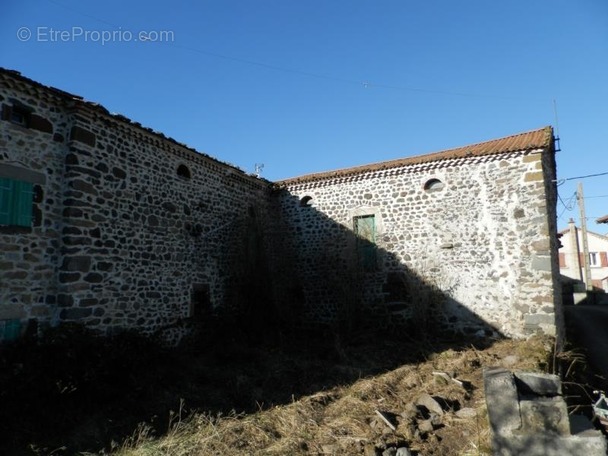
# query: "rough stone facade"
(466, 233)
(132, 229)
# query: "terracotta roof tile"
(603, 219)
(532, 140)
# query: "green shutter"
(15, 202)
(365, 229)
(6, 196)
(23, 203)
(10, 329)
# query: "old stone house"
(108, 223)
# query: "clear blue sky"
(312, 85)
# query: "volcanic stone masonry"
(113, 225)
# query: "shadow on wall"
(313, 304)
(328, 275)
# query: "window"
(594, 260)
(20, 116)
(433, 185)
(183, 171)
(365, 230)
(15, 202)
(306, 201)
(17, 114)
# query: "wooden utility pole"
(586, 266)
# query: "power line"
(561, 181)
(596, 196)
(362, 83)
(569, 205)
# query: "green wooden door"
(365, 229)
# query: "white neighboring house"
(604, 219)
(571, 258)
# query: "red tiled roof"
(603, 219)
(532, 140)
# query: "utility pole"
(587, 268)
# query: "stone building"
(108, 223)
(128, 228)
(470, 231)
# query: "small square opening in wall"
(17, 114)
(200, 301)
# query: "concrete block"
(538, 384)
(502, 400)
(545, 429)
(545, 415)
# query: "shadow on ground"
(79, 393)
(73, 392)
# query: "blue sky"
(312, 85)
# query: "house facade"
(113, 225)
(572, 259)
(476, 222)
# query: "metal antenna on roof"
(557, 148)
(258, 169)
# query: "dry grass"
(342, 420)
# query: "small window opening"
(183, 171)
(200, 301)
(434, 185)
(306, 201)
(20, 116)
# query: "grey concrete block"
(545, 415)
(539, 384)
(502, 400)
(544, 429)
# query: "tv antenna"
(258, 169)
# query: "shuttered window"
(365, 229)
(15, 202)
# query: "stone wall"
(29, 256)
(134, 229)
(481, 235)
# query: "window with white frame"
(594, 259)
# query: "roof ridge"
(529, 140)
(593, 233)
